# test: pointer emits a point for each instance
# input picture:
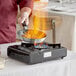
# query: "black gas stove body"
(31, 54)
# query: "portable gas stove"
(36, 53)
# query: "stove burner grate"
(40, 46)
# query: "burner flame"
(41, 45)
(35, 44)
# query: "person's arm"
(26, 7)
(25, 3)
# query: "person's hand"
(24, 17)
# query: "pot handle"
(25, 27)
(24, 24)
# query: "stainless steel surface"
(53, 30)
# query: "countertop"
(54, 68)
(55, 7)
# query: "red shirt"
(8, 13)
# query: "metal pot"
(25, 29)
(21, 32)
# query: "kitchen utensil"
(31, 40)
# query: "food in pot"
(34, 34)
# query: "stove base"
(35, 56)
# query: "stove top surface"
(38, 47)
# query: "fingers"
(19, 20)
(24, 17)
(27, 21)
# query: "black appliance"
(36, 53)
